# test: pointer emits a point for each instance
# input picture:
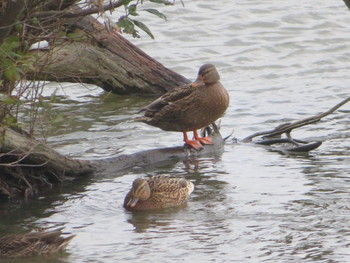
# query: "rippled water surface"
(281, 61)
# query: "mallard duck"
(33, 244)
(157, 192)
(190, 107)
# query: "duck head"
(207, 75)
(140, 191)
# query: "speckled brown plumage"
(157, 192)
(189, 107)
(33, 244)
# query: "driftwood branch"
(288, 127)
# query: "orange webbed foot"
(202, 140)
(194, 144)
(205, 140)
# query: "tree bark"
(27, 164)
(33, 152)
(105, 59)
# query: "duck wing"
(168, 98)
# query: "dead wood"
(153, 157)
(27, 164)
(288, 127)
(104, 58)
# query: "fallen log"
(103, 58)
(143, 159)
(27, 164)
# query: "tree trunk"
(27, 164)
(105, 59)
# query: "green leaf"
(35, 21)
(12, 74)
(6, 63)
(132, 10)
(10, 101)
(10, 44)
(156, 12)
(76, 36)
(126, 2)
(19, 27)
(10, 120)
(127, 24)
(143, 27)
(58, 118)
(45, 105)
(53, 97)
(165, 2)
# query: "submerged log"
(26, 164)
(152, 157)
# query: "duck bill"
(132, 202)
(198, 82)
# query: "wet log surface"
(26, 151)
(152, 157)
(27, 165)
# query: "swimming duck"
(157, 192)
(33, 244)
(190, 107)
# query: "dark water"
(280, 61)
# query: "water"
(281, 61)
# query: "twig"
(288, 127)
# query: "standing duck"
(33, 244)
(157, 192)
(190, 107)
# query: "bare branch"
(287, 127)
